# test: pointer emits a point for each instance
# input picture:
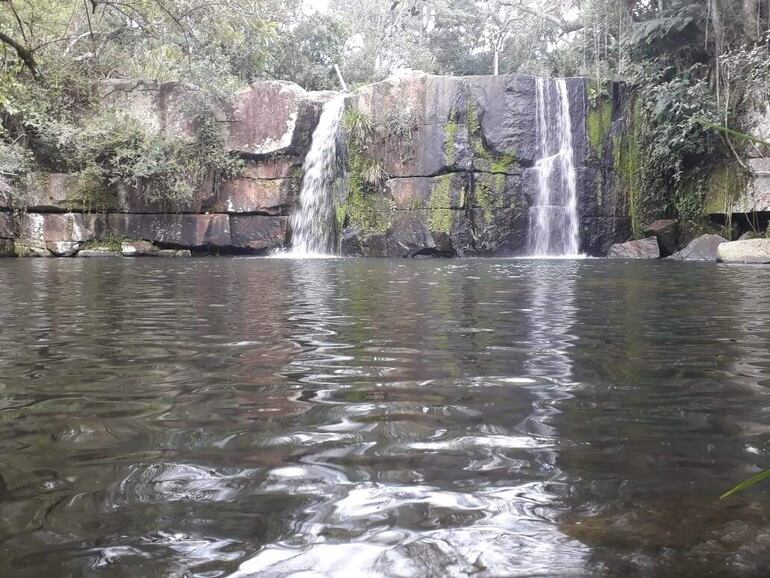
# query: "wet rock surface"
(703, 248)
(63, 248)
(468, 164)
(258, 232)
(667, 233)
(646, 248)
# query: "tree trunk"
(716, 20)
(497, 62)
(751, 19)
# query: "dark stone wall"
(464, 182)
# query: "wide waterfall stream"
(348, 417)
(312, 222)
(553, 230)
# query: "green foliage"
(450, 130)
(504, 163)
(599, 123)
(358, 126)
(108, 242)
(667, 154)
(760, 477)
(110, 149)
(373, 173)
(490, 195)
(365, 206)
(15, 162)
(675, 35)
(474, 131)
(306, 53)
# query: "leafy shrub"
(15, 161)
(674, 148)
(112, 149)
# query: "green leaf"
(763, 475)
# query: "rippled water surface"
(239, 417)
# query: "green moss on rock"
(726, 184)
(599, 124)
(490, 194)
(626, 162)
(504, 163)
(474, 131)
(365, 206)
(451, 129)
(440, 214)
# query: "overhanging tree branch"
(24, 54)
(564, 25)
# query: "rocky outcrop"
(7, 248)
(456, 155)
(64, 234)
(446, 169)
(269, 125)
(271, 117)
(257, 233)
(749, 251)
(52, 192)
(703, 248)
(268, 117)
(641, 249)
(733, 192)
(98, 252)
(63, 248)
(8, 226)
(667, 233)
(147, 249)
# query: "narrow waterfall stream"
(312, 222)
(553, 222)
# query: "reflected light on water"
(274, 417)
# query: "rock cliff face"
(731, 194)
(431, 165)
(454, 159)
(269, 125)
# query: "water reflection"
(658, 430)
(424, 468)
(271, 417)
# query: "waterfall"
(312, 222)
(553, 220)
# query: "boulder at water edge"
(666, 231)
(704, 248)
(63, 248)
(749, 251)
(646, 248)
(138, 249)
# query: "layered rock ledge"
(446, 169)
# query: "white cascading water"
(553, 221)
(312, 222)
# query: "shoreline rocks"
(703, 248)
(667, 232)
(646, 248)
(756, 251)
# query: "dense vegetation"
(698, 67)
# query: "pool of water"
(238, 417)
